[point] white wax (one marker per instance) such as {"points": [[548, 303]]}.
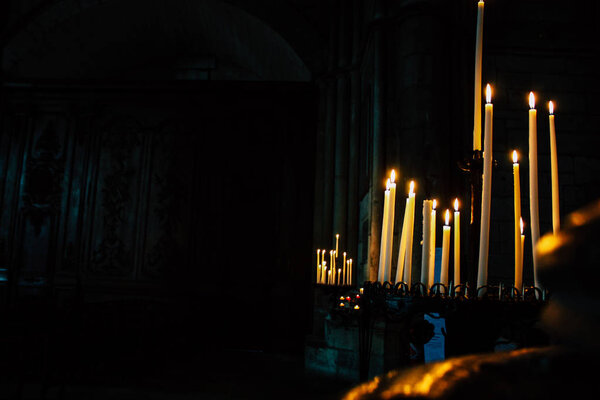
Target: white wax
{"points": [[383, 243], [534, 214], [554, 172], [432, 249], [426, 248], [456, 248], [409, 240], [445, 255], [389, 234], [517, 215], [486, 199], [402, 249], [477, 86]]}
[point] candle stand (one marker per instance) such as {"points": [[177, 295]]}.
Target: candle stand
{"points": [[473, 323]]}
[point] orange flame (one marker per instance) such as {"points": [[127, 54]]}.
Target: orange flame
{"points": [[393, 176], [531, 100], [488, 94], [447, 216], [456, 204], [551, 107], [515, 157]]}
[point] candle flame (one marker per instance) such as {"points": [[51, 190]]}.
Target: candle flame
{"points": [[387, 185], [434, 204], [456, 204], [488, 93], [551, 107], [531, 100], [337, 235], [412, 187], [344, 254], [515, 157], [393, 176], [447, 216], [521, 223]]}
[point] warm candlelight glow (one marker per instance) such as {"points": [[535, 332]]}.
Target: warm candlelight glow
{"points": [[412, 187], [488, 94], [521, 223], [393, 176], [456, 204], [447, 216], [551, 107], [515, 157], [434, 203], [531, 100]]}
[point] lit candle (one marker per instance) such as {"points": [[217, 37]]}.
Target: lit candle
{"points": [[345, 269], [456, 243], [339, 273], [517, 200], [445, 250], [350, 275], [478, 63], [426, 249], [409, 235], [322, 258], [534, 214], [329, 277], [384, 229], [337, 241], [486, 198], [323, 272], [519, 267], [347, 277], [318, 265], [402, 249], [554, 172], [432, 244], [390, 229]]}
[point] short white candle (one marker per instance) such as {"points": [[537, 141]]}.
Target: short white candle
{"points": [[432, 244], [390, 229], [426, 247], [409, 235], [384, 229], [445, 250], [456, 243]]}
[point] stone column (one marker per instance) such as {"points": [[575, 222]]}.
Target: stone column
{"points": [[376, 184], [329, 134], [340, 198], [353, 226]]}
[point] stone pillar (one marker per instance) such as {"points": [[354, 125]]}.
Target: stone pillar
{"points": [[353, 211], [378, 156], [340, 197], [329, 134]]}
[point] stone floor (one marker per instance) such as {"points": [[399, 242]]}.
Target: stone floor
{"points": [[231, 375]]}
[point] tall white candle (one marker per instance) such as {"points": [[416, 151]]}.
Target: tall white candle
{"points": [[337, 242], [517, 214], [384, 228], [554, 172], [323, 272], [456, 243], [402, 249], [350, 275], [426, 248], [478, 63], [445, 250], [486, 197], [432, 244], [534, 214], [390, 229], [409, 235]]}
